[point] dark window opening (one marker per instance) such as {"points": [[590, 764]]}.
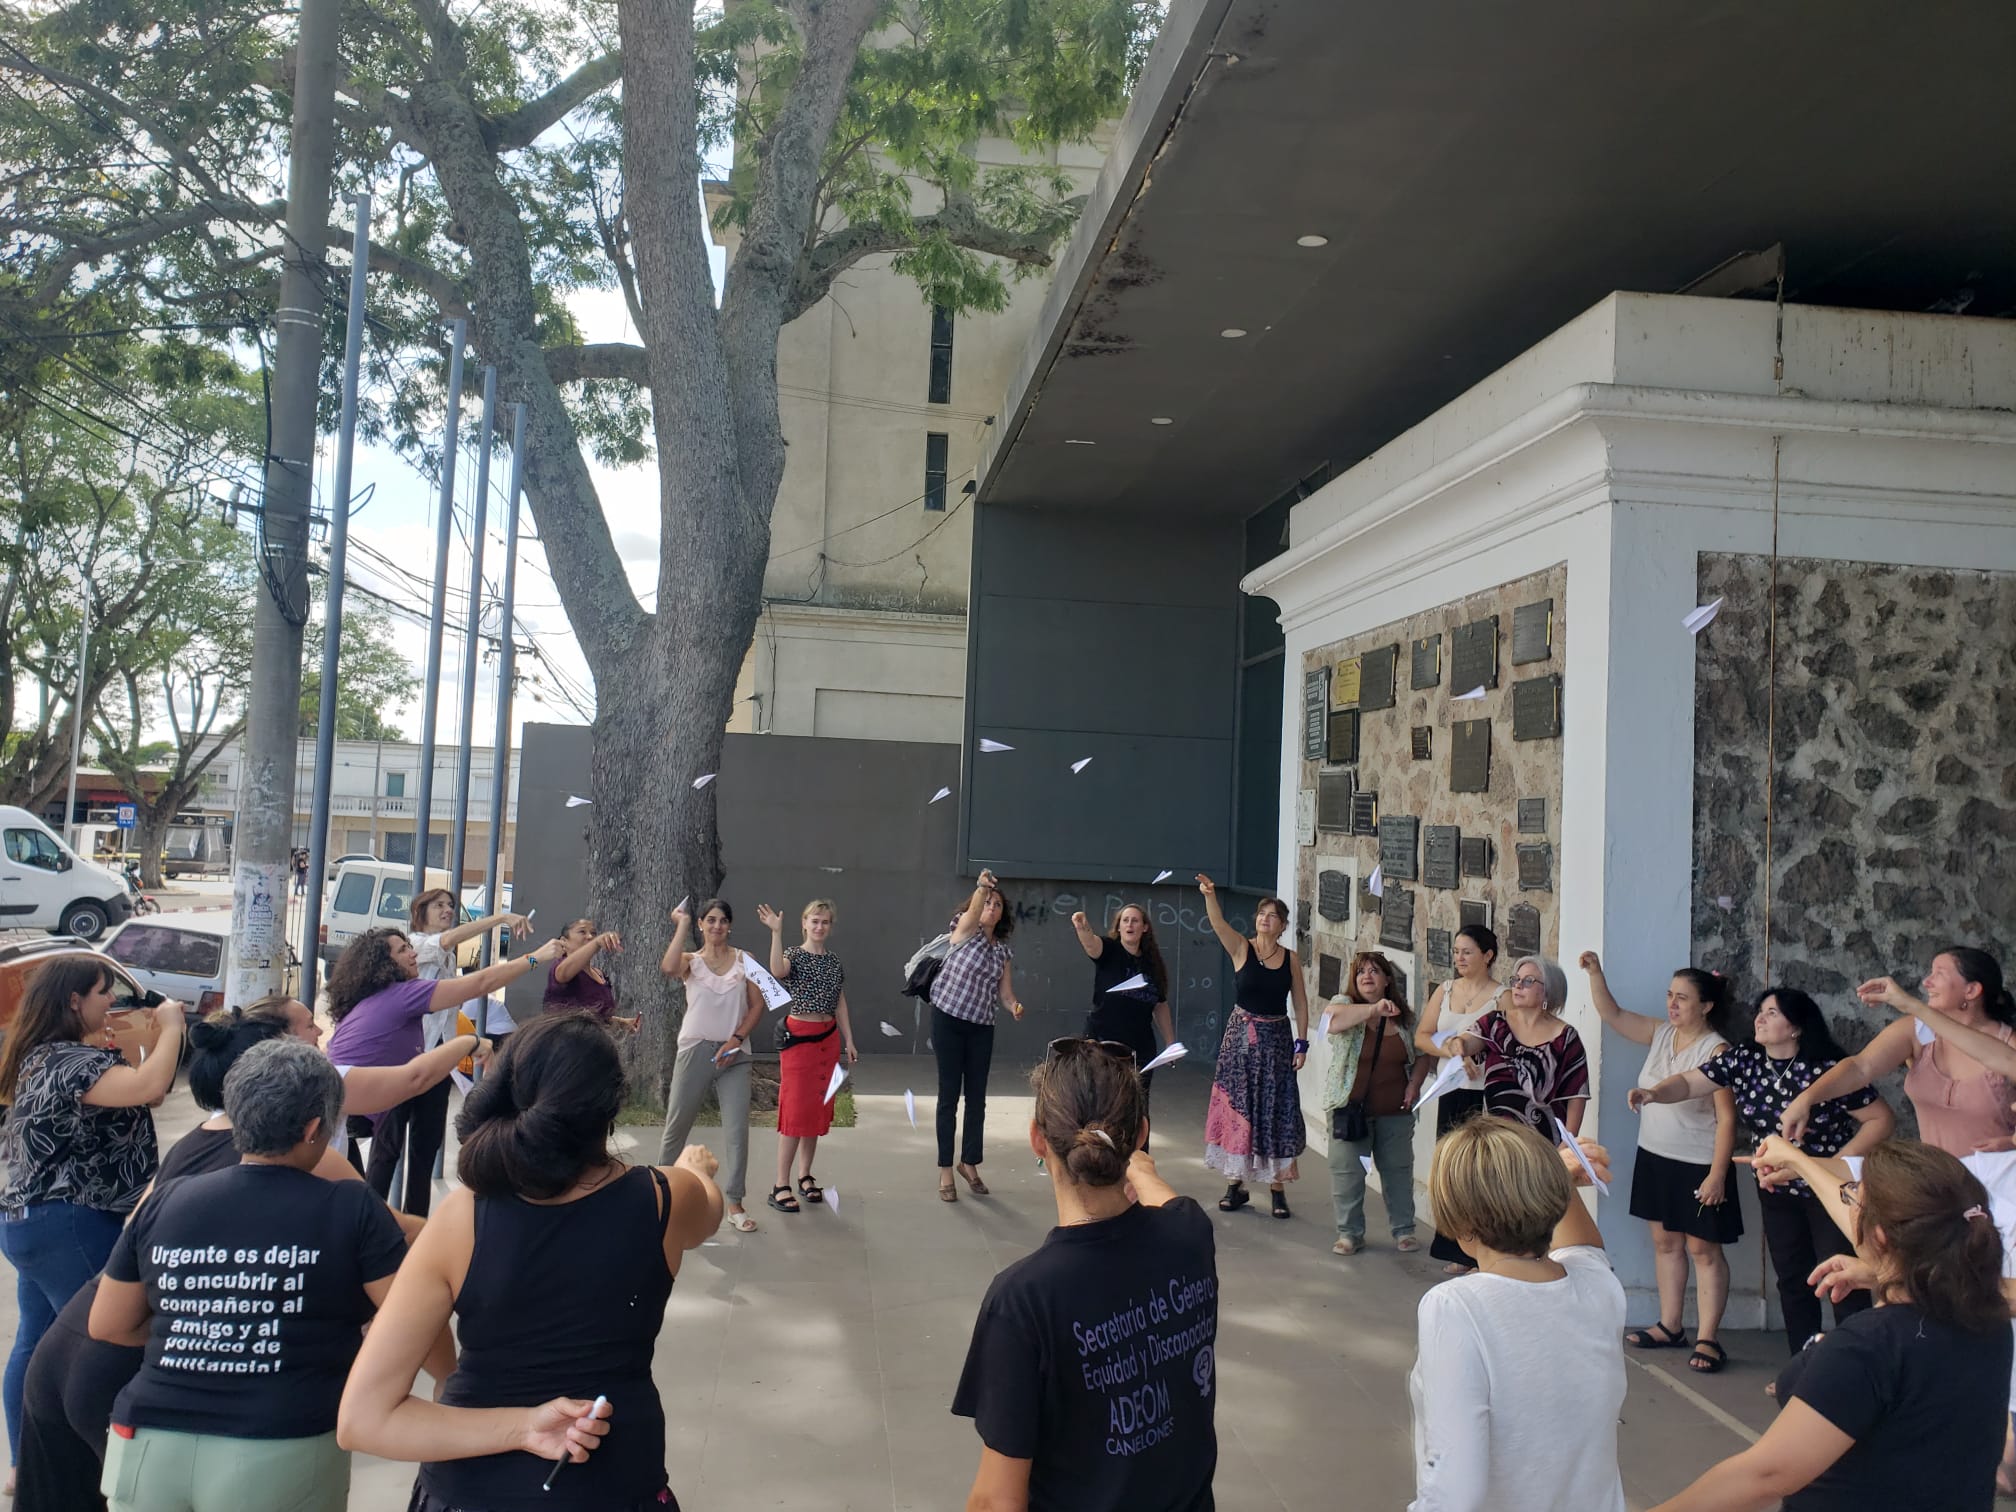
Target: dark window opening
{"points": [[937, 448], [941, 355]]}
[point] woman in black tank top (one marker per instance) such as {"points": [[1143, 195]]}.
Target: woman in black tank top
{"points": [[544, 1333]]}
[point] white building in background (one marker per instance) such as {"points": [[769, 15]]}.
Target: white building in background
{"points": [[885, 404]]}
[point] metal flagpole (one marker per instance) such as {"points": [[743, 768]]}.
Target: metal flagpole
{"points": [[458, 844], [500, 752], [430, 702]]}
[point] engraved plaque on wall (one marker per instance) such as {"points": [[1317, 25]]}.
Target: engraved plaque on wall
{"points": [[1536, 708], [1396, 919], [1424, 742], [1342, 746], [1333, 802], [1426, 663], [1364, 813], [1475, 860], [1532, 632], [1532, 816], [1473, 655], [1522, 930], [1378, 672], [1470, 756], [1400, 847], [1473, 911], [1333, 895], [1536, 867], [1329, 976], [1305, 816], [1315, 709], [1344, 686], [1442, 949], [1439, 844]]}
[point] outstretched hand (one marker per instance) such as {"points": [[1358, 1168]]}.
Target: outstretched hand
{"points": [[769, 918], [1591, 963], [1206, 886], [1884, 992], [1595, 1154]]}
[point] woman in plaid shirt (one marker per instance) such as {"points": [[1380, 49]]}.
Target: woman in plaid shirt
{"points": [[976, 981]]}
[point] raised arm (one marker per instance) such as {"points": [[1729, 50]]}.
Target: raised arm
{"points": [[770, 919], [696, 1202], [1150, 1190], [1233, 941], [1890, 1049], [968, 923], [519, 925], [575, 962], [1576, 1228], [1636, 1027], [136, 1086], [375, 1089], [673, 963], [1088, 942], [451, 992], [1684, 1087], [1985, 1048]]}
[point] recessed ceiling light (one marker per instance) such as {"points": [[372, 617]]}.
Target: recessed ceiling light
{"points": [[1073, 441], [1312, 240], [1232, 333], [1161, 420]]}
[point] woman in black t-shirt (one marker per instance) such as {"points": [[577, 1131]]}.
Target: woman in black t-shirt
{"points": [[1902, 1406], [1130, 985], [1091, 1376]]}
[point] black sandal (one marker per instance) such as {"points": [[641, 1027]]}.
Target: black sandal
{"points": [[1647, 1338], [784, 1204], [810, 1190], [1707, 1364], [1280, 1204], [1236, 1196]]}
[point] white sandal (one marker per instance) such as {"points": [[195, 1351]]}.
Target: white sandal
{"points": [[742, 1223]]}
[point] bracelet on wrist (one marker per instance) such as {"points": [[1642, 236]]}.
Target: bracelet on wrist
{"points": [[1301, 1047]]}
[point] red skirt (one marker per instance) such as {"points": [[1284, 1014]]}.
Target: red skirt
{"points": [[803, 1072]]}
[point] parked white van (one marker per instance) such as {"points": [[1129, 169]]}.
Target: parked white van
{"points": [[46, 885], [373, 894]]}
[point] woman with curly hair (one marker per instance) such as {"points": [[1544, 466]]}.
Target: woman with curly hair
{"points": [[1370, 1041]]}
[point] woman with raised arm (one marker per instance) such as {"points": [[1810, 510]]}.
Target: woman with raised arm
{"points": [[1680, 1185], [556, 1260], [1962, 1103], [1253, 1128], [1789, 1049], [1452, 1010], [1127, 1014], [78, 1143], [575, 983], [816, 1033], [975, 983], [1370, 1070], [723, 1007]]}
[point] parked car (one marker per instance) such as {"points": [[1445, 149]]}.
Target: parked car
{"points": [[373, 894], [128, 1029], [44, 884], [329, 871], [183, 956]]}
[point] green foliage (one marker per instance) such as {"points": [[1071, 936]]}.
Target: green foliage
{"points": [[371, 675]]}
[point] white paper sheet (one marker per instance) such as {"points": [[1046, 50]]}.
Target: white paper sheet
{"points": [[910, 1106], [462, 1083], [1476, 692], [1323, 1024], [1576, 1145], [775, 994], [1698, 620], [833, 1084], [1081, 763], [1451, 1075], [574, 802], [1163, 876], [890, 1031], [1924, 1033], [1175, 1052], [989, 747], [940, 796], [1133, 984], [831, 1197], [702, 781], [1366, 1161], [1376, 883], [1442, 1037], [683, 904]]}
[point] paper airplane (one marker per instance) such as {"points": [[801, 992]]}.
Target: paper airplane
{"points": [[1451, 1076], [939, 796], [1376, 883], [1323, 1024], [1476, 692], [462, 1083], [833, 1084], [836, 870], [1081, 763], [831, 1197], [1576, 1145], [775, 993], [573, 802], [910, 1106], [1133, 984], [1698, 620], [988, 747], [1175, 1052], [681, 905], [1366, 1161], [700, 782], [891, 1030], [1925, 1034], [1442, 1037], [1163, 876]]}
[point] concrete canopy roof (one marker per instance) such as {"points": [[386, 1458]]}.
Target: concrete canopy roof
{"points": [[1483, 173]]}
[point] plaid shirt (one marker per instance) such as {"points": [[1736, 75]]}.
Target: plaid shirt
{"points": [[969, 983]]}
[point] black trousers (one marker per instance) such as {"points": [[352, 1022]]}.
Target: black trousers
{"points": [[965, 1051], [418, 1128], [1800, 1234]]}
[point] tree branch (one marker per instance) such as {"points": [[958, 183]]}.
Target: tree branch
{"points": [[81, 249], [438, 284], [524, 125], [600, 359]]}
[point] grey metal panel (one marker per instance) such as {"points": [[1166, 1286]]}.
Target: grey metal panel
{"points": [[1126, 668]]}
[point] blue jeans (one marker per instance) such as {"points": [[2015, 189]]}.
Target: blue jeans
{"points": [[54, 1247]]}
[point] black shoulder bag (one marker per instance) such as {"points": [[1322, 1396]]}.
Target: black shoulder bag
{"points": [[1349, 1121]]}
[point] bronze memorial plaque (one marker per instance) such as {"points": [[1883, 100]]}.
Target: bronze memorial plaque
{"points": [[1522, 930], [1470, 756], [1315, 713], [1329, 976], [1473, 656], [1442, 949], [1364, 813], [1333, 896], [1400, 847], [1341, 749], [1439, 844], [1536, 867], [1536, 708], [1333, 801], [1396, 919], [1426, 669], [1424, 742], [1476, 856], [1533, 632], [1378, 672], [1473, 911], [1344, 686], [1532, 816]]}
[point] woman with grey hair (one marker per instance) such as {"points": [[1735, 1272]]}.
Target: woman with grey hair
{"points": [[1535, 1069], [249, 1288]]}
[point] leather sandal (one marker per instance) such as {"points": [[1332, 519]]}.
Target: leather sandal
{"points": [[810, 1190], [1650, 1338], [782, 1200]]}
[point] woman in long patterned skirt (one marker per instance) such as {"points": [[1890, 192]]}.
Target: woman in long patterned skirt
{"points": [[1253, 1131]]}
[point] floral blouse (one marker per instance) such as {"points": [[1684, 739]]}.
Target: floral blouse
{"points": [[59, 1149]]}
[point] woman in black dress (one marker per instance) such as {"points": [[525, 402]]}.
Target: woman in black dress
{"points": [[1130, 1016]]}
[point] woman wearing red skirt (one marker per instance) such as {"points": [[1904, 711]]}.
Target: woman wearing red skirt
{"points": [[816, 1030]]}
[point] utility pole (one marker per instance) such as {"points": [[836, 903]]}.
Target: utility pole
{"points": [[459, 843], [266, 829], [430, 687], [500, 751], [77, 712]]}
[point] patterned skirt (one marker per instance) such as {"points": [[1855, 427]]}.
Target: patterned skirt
{"points": [[1253, 1130]]}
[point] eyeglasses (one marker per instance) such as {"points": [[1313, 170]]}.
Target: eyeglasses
{"points": [[1529, 981], [1076, 1044], [1851, 1194]]}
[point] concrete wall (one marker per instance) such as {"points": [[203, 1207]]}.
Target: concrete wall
{"points": [[1115, 638]]}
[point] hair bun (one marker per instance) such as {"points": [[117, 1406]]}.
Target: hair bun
{"points": [[1094, 1135]]}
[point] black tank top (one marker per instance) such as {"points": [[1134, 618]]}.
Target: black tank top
{"points": [[1263, 990], [564, 1300]]}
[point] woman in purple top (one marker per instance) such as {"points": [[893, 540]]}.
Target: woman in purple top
{"points": [[575, 982]]}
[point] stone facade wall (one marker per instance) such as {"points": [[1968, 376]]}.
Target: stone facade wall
{"points": [[1892, 813], [1406, 786]]}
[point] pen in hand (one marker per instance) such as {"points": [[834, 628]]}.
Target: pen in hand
{"points": [[594, 1412]]}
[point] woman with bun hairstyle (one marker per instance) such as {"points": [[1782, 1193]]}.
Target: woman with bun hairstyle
{"points": [[1452, 1010], [556, 1260], [723, 1007], [1680, 1184], [1063, 1332], [817, 1031], [1962, 1103], [1902, 1405]]}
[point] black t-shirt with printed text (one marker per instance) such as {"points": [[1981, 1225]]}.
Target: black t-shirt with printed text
{"points": [[1095, 1359], [256, 1279]]}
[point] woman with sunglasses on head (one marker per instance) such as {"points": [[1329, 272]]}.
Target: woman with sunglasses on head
{"points": [[1790, 1048], [1127, 952], [976, 981], [723, 1007], [1453, 1009], [1253, 1129], [1902, 1406], [1535, 1069], [817, 1032], [1369, 1070], [1091, 1375]]}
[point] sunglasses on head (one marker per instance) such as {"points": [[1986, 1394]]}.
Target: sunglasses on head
{"points": [[1078, 1044]]}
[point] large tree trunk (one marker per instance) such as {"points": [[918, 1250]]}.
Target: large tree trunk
{"points": [[152, 834]]}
